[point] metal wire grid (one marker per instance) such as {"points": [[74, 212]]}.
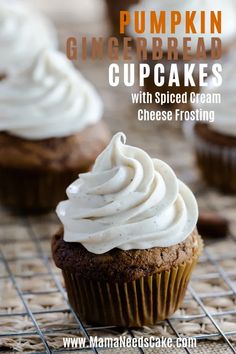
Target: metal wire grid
{"points": [[82, 329]]}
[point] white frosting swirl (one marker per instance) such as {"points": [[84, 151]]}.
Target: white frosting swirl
{"points": [[225, 112], [49, 99], [128, 201], [228, 8], [23, 34]]}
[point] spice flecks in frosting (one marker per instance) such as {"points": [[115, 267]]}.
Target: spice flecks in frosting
{"points": [[128, 201], [49, 99]]}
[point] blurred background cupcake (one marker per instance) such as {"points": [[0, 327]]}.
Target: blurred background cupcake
{"points": [[113, 12], [215, 142], [80, 16], [23, 34], [228, 37], [51, 130]]}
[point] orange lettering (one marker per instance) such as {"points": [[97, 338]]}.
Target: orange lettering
{"points": [[124, 20], [175, 20]]}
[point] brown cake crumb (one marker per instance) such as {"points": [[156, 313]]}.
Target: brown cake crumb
{"points": [[204, 132], [118, 265], [76, 152]]}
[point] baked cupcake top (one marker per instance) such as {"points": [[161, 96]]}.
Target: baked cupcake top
{"points": [[225, 112], [128, 201], [227, 7], [23, 34], [47, 100]]}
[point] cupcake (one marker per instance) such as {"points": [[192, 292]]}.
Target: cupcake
{"points": [[228, 38], [113, 12], [215, 141], [23, 34], [129, 242], [50, 130]]}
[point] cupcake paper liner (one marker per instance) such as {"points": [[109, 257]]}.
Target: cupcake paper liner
{"points": [[144, 301], [216, 163], [33, 190]]}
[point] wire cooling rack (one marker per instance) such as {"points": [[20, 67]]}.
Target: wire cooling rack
{"points": [[35, 313]]}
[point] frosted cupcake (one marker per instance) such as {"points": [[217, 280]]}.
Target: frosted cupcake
{"points": [[113, 12], [51, 129], [129, 242], [215, 143], [228, 36], [23, 34]]}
